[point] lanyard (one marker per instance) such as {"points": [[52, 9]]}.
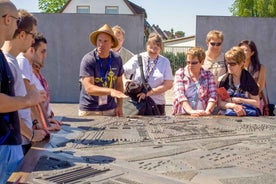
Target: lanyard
{"points": [[102, 71], [150, 67], [194, 105]]}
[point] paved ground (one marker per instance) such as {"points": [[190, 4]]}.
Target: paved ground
{"points": [[71, 109]]}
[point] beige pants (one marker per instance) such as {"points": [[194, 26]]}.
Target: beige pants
{"points": [[97, 113]]}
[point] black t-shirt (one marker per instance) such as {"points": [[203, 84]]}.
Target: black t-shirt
{"points": [[247, 83], [9, 122]]}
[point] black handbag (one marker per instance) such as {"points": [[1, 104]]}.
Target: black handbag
{"points": [[146, 106], [133, 89]]}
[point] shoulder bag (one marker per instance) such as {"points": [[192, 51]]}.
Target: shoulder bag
{"points": [[146, 106]]}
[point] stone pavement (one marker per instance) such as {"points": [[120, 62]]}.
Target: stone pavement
{"points": [[71, 109]]}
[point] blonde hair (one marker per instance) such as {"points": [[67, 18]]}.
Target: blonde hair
{"points": [[155, 38], [235, 54], [118, 29], [198, 52], [214, 34]]}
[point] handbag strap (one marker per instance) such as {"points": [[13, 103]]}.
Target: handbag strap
{"points": [[140, 62], [128, 83]]}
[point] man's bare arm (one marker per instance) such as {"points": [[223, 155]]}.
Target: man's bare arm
{"points": [[14, 103]]}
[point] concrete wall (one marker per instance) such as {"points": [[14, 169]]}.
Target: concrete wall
{"points": [[260, 30], [67, 36], [68, 42]]}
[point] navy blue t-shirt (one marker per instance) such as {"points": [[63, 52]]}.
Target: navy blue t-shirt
{"points": [[9, 122], [90, 66]]}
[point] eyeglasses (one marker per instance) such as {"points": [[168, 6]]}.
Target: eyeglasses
{"points": [[192, 62], [30, 33], [232, 63], [18, 19], [215, 43]]}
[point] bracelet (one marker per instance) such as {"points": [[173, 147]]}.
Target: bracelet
{"points": [[35, 122], [32, 136]]}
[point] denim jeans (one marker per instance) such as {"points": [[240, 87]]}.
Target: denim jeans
{"points": [[11, 156]]}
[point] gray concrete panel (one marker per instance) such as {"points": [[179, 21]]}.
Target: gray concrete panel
{"points": [[260, 30], [68, 42]]}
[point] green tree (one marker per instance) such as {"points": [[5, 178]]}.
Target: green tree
{"points": [[254, 8], [51, 6], [177, 60], [179, 34], [172, 34]]}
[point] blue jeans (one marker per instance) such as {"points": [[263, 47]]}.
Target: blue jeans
{"points": [[11, 156]]}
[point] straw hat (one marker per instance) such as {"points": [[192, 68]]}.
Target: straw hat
{"points": [[104, 29]]}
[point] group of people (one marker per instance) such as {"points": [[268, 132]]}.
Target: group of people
{"points": [[216, 83], [211, 82], [105, 71], [198, 86], [25, 113]]}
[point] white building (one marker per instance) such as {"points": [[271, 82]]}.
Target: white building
{"points": [[102, 7], [179, 44]]}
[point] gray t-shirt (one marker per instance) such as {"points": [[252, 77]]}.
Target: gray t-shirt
{"points": [[217, 66]]}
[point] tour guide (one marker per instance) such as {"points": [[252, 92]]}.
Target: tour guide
{"points": [[101, 73]]}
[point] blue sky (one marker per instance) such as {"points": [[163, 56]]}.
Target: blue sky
{"points": [[177, 14]]}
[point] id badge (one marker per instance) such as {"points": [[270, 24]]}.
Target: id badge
{"points": [[102, 100]]}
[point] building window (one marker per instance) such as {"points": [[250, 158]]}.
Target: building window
{"points": [[111, 10], [83, 9]]}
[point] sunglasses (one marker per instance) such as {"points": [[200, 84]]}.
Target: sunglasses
{"points": [[232, 63], [30, 33], [192, 62], [18, 20], [215, 43]]}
